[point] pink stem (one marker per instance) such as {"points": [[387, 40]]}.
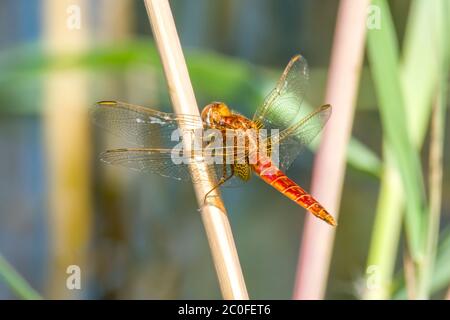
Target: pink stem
{"points": [[329, 166]]}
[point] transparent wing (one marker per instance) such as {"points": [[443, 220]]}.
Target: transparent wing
{"points": [[141, 126], [148, 128], [291, 141], [282, 106], [154, 131], [161, 162]]}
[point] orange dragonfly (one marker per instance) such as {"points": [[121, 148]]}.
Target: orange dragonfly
{"points": [[152, 132]]}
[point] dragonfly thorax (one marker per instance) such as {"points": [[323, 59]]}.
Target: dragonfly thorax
{"points": [[217, 115]]}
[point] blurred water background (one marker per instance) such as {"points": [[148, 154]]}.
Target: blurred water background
{"points": [[141, 235]]}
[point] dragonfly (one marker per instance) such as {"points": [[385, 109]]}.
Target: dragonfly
{"points": [[152, 134]]}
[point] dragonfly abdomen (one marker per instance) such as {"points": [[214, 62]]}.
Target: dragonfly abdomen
{"points": [[277, 179]]}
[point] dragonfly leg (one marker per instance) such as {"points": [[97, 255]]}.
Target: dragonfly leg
{"points": [[222, 180]]}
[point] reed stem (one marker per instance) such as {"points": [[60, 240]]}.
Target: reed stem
{"points": [[329, 166], [67, 148], [436, 153], [214, 216]]}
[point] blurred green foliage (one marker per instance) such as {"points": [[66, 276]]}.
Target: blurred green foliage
{"points": [[406, 90], [15, 281]]}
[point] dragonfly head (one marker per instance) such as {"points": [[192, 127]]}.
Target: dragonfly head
{"points": [[214, 112]]}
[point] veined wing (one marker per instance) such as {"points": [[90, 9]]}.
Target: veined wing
{"points": [[141, 126], [292, 140], [163, 163], [154, 132], [282, 107]]}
